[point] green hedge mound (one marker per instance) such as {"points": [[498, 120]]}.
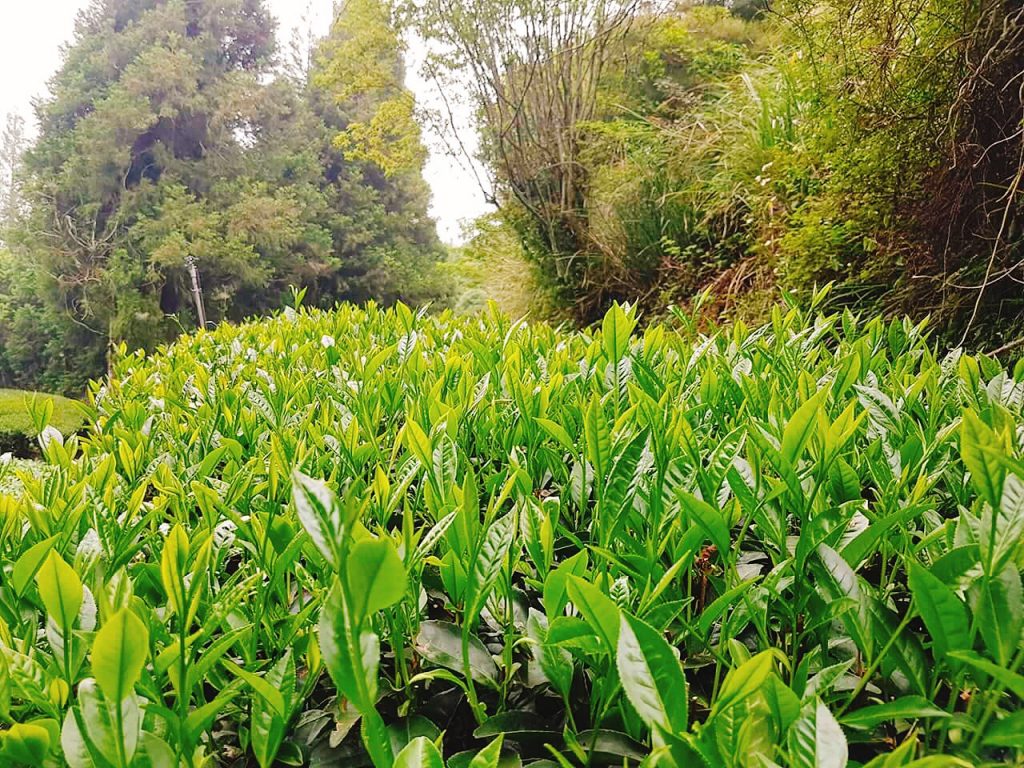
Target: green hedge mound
{"points": [[18, 432]]}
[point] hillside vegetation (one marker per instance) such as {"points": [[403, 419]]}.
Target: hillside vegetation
{"points": [[369, 536], [646, 151]]}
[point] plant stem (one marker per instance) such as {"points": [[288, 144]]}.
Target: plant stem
{"points": [[866, 677]]}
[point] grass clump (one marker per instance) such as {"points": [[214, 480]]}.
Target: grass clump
{"points": [[380, 537]]}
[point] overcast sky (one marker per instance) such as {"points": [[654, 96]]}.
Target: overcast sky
{"points": [[33, 31]]}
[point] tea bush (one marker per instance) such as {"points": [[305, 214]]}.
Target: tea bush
{"points": [[19, 426], [378, 537]]}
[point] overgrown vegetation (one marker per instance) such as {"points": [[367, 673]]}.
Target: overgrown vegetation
{"points": [[491, 267], [645, 151], [379, 536]]}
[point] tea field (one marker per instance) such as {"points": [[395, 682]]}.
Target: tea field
{"points": [[374, 537]]}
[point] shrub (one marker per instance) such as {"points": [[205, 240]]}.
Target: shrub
{"points": [[798, 544], [20, 415]]}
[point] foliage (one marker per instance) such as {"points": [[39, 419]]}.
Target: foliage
{"points": [[798, 544], [491, 267], [363, 69], [12, 145], [874, 144], [171, 134], [532, 73]]}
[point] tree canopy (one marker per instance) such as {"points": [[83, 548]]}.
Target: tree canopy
{"points": [[172, 134]]}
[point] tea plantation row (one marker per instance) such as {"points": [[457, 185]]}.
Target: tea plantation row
{"points": [[378, 537]]}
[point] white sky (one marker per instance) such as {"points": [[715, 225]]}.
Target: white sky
{"points": [[33, 31]]}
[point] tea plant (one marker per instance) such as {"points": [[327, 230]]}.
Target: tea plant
{"points": [[372, 537]]}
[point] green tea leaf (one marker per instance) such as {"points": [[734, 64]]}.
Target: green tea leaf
{"points": [[440, 642], [558, 432], [555, 596], [319, 513], [1010, 680], [597, 608], [418, 443], [743, 681], [651, 676], [943, 613], [1000, 613], [816, 740], [801, 427], [352, 657], [61, 590], [111, 728], [25, 743], [420, 753], [28, 565], [263, 689], [173, 565], [376, 577], [1008, 732], [490, 556], [489, 756], [903, 708], [615, 332], [119, 653], [708, 518], [597, 438], [979, 450]]}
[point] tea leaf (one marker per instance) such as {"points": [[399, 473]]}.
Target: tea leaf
{"points": [[942, 611], [376, 577], [420, 753], [25, 743], [119, 653], [319, 514], [903, 708], [651, 676], [61, 590], [816, 740], [600, 612], [440, 643]]}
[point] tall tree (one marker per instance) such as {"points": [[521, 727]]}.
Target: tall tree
{"points": [[147, 157], [12, 147], [172, 136], [383, 229]]}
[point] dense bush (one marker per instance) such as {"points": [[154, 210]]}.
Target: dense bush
{"points": [[875, 144], [23, 415], [792, 545]]}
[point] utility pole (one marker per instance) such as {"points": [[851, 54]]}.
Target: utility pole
{"points": [[197, 289]]}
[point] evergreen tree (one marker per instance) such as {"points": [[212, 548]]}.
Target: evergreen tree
{"points": [[12, 146], [375, 157], [171, 136]]}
